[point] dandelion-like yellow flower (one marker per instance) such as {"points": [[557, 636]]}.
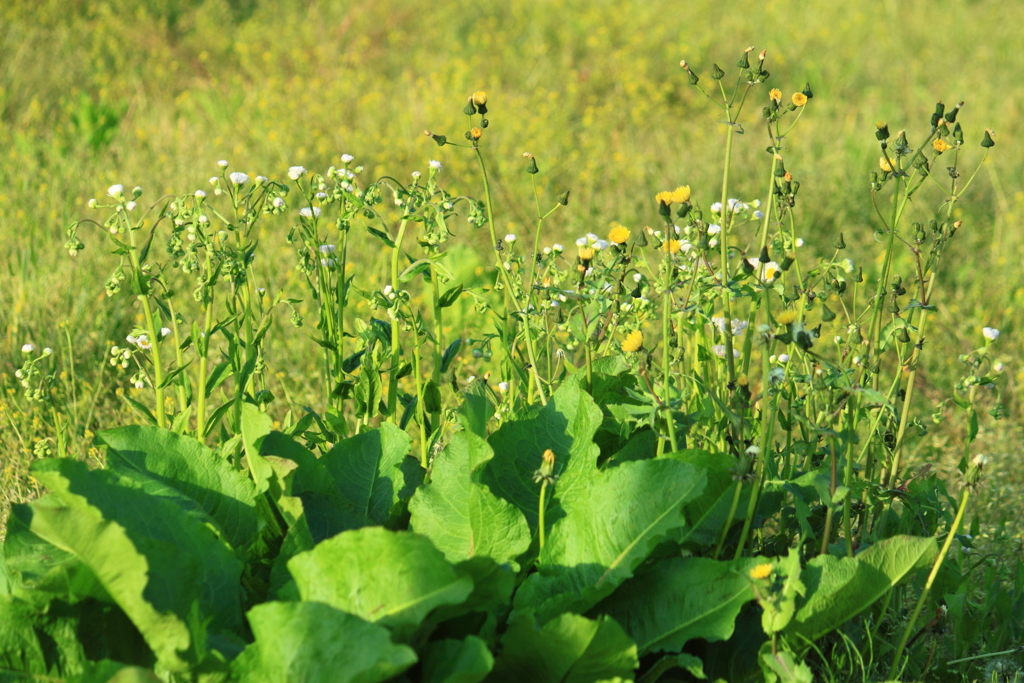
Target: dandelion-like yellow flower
{"points": [[786, 317], [884, 164], [633, 342], [476, 133], [940, 145], [681, 194], [664, 197], [799, 99], [775, 95], [586, 254], [673, 246], [761, 571], [479, 97], [618, 234]]}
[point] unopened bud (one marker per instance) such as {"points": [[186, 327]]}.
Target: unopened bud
{"points": [[840, 243], [717, 73], [987, 141], [883, 131]]}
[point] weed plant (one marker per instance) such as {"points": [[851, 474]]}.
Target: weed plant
{"points": [[682, 448]]}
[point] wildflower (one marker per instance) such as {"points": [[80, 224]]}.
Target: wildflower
{"points": [[633, 342], [714, 229], [586, 254], [673, 246], [799, 242], [476, 133], [759, 215], [239, 178], [296, 172], [719, 350], [786, 317], [278, 203], [761, 571], [998, 367], [884, 164], [142, 341], [47, 351], [637, 277], [434, 164], [139, 384], [664, 198], [347, 158], [783, 357], [115, 191], [980, 460], [502, 386], [327, 248], [618, 234], [130, 206], [799, 99], [327, 262], [680, 194], [990, 333], [164, 331], [775, 95], [309, 212], [260, 179], [214, 180], [940, 145], [222, 163], [28, 348], [510, 238], [716, 207], [92, 204], [558, 247], [200, 194], [479, 98], [771, 271]]}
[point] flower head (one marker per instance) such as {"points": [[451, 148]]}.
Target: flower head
{"points": [[476, 133], [434, 164], [327, 248], [761, 571], [510, 238], [28, 348], [239, 178], [633, 342], [115, 191], [940, 145], [799, 99], [672, 246], [664, 197], [222, 163], [680, 194], [775, 95], [618, 234], [309, 212], [884, 164], [296, 172], [347, 158], [479, 98], [990, 333]]}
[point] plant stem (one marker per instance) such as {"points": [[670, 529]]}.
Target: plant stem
{"points": [[540, 512]]}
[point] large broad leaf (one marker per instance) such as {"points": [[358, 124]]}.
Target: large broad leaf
{"points": [[163, 567], [838, 590], [682, 599], [315, 643], [457, 661], [185, 464], [36, 644], [462, 517], [569, 649], [610, 528], [388, 577], [708, 512], [566, 425], [368, 472]]}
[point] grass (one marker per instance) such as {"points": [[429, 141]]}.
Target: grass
{"points": [[153, 93]]}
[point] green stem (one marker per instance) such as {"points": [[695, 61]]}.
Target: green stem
{"points": [[540, 512], [396, 349]]}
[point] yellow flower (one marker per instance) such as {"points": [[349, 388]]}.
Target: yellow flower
{"points": [[681, 194], [786, 317], [586, 254], [673, 246], [799, 99], [633, 342], [618, 234], [775, 95], [761, 571], [884, 164], [479, 97], [664, 197], [477, 133], [940, 145]]}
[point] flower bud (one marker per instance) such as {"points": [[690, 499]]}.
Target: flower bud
{"points": [[717, 73], [469, 109], [840, 243], [808, 93], [951, 114], [693, 77], [987, 141], [764, 257], [563, 198], [532, 168], [958, 134], [883, 131]]}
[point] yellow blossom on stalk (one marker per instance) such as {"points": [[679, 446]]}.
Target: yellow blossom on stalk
{"points": [[761, 571], [799, 99], [479, 97], [618, 234], [884, 164], [786, 317], [681, 194], [586, 254], [940, 145], [775, 95], [673, 246], [664, 197], [633, 342], [476, 133]]}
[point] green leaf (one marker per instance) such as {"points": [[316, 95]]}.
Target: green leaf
{"points": [[34, 643], [382, 236], [159, 563], [781, 667], [315, 643], [462, 517], [611, 527], [394, 578], [568, 649], [367, 470], [838, 590], [566, 425], [457, 661], [681, 599], [450, 296], [255, 426], [708, 512], [188, 466], [476, 409]]}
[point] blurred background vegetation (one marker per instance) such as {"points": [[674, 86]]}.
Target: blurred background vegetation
{"points": [[154, 92]]}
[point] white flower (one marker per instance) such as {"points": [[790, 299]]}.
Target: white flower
{"points": [[719, 350], [92, 204], [327, 262], [739, 327], [713, 242], [347, 158], [139, 384], [239, 178], [510, 238], [164, 331], [502, 386], [547, 251], [799, 241], [296, 172], [387, 290], [200, 194], [998, 367], [115, 191], [716, 207], [558, 247], [581, 242], [714, 229], [260, 179], [990, 333], [637, 277], [327, 248], [848, 265], [435, 165], [980, 460], [47, 351], [214, 180], [28, 348], [321, 195], [222, 163], [130, 206], [308, 212], [771, 271], [142, 341], [783, 357], [754, 450], [278, 202], [203, 219], [759, 215], [416, 175]]}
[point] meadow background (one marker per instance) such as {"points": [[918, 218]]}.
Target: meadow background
{"points": [[153, 93]]}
